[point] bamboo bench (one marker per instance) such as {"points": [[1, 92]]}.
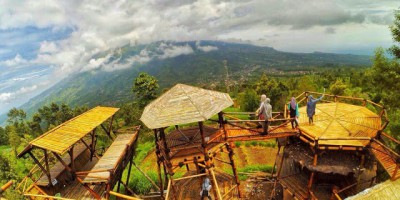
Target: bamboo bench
{"points": [[59, 168], [101, 172]]}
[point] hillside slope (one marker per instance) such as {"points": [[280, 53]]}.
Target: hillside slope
{"points": [[201, 65]]}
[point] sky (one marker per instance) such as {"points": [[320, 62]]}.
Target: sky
{"points": [[44, 41]]}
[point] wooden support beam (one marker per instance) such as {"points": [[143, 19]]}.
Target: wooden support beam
{"points": [[46, 160], [214, 179], [158, 165], [277, 175], [145, 175], [310, 182], [273, 168], [108, 133], [71, 153], [123, 196], [38, 163], [63, 163], [235, 174], [91, 191], [129, 172]]}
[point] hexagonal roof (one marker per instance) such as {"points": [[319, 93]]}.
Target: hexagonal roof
{"points": [[339, 123]]}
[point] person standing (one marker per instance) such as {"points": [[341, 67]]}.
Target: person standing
{"points": [[205, 189], [293, 108], [311, 105]]}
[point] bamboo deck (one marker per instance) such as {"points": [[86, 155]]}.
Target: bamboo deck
{"points": [[385, 159], [58, 168], [340, 124], [110, 159], [238, 134], [296, 185], [61, 138]]}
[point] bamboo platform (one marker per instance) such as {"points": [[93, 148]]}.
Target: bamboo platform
{"points": [[296, 185], [58, 168], [240, 134], [110, 160], [386, 159], [340, 124]]}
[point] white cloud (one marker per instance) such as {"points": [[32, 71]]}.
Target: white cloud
{"points": [[170, 51], [206, 48], [48, 47], [18, 60], [8, 96]]}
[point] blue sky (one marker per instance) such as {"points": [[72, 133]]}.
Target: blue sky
{"points": [[44, 41]]}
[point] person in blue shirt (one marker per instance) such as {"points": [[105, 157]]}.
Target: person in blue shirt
{"points": [[311, 104], [293, 108]]}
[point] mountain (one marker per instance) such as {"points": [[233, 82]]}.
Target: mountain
{"points": [[178, 62]]}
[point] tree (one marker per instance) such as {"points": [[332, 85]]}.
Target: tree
{"points": [[338, 87], [13, 138], [3, 136], [249, 100], [395, 29], [385, 75], [145, 88], [15, 116]]}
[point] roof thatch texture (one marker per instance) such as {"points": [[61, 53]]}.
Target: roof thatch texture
{"points": [[387, 190], [61, 138], [340, 120], [184, 104]]}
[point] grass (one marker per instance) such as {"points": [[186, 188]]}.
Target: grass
{"points": [[269, 143]]}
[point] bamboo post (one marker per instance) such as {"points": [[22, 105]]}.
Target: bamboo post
{"points": [[46, 160], [211, 171], [310, 182], [231, 153], [158, 165], [273, 168], [129, 173], [93, 148], [5, 187], [359, 170], [277, 175], [38, 163]]}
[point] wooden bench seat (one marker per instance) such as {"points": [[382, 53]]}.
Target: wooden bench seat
{"points": [[58, 168], [110, 160]]}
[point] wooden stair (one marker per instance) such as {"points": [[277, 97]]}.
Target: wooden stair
{"points": [[386, 158]]}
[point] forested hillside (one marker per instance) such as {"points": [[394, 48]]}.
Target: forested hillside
{"points": [[206, 68]]}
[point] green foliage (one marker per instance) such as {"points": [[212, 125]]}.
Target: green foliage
{"points": [[3, 136], [145, 88], [338, 88], [254, 168], [249, 100], [385, 75], [395, 29]]}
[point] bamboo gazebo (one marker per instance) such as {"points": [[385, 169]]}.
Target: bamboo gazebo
{"points": [[70, 166], [195, 147], [334, 157]]}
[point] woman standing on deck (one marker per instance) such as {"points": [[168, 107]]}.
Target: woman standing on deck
{"points": [[293, 108], [311, 104]]}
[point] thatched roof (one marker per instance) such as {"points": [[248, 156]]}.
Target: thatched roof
{"points": [[340, 120], [61, 138], [184, 104], [387, 190]]}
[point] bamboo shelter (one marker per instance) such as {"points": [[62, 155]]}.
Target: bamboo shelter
{"points": [[71, 163], [334, 156], [195, 146]]}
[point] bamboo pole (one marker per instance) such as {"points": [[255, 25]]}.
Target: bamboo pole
{"points": [[46, 196], [123, 196], [277, 175], [215, 184], [145, 175], [192, 176], [310, 182], [6, 186]]}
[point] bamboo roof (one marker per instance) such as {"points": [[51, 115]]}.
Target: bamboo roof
{"points": [[387, 190], [61, 138], [339, 123], [184, 104]]}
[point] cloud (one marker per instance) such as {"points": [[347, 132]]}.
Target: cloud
{"points": [[206, 48], [330, 30], [14, 62], [170, 51], [8, 96]]}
